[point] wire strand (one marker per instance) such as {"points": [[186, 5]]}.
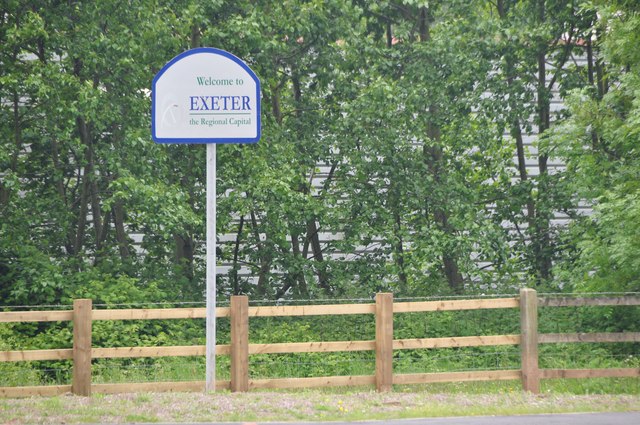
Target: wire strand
{"points": [[321, 301]]}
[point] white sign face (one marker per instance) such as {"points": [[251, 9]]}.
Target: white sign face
{"points": [[205, 95]]}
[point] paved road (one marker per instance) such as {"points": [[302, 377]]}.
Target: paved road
{"points": [[632, 418]]}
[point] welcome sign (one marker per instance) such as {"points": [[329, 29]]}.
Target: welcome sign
{"points": [[205, 95]]}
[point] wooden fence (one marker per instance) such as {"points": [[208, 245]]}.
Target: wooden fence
{"points": [[384, 309]]}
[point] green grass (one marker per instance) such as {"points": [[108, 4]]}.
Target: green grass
{"points": [[592, 386], [142, 399], [409, 361], [611, 386], [299, 365]]}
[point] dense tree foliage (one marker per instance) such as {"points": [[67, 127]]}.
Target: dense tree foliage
{"points": [[407, 146], [600, 144]]}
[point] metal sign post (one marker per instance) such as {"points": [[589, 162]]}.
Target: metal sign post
{"points": [[206, 95], [210, 381]]}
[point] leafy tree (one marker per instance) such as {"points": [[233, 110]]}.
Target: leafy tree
{"points": [[537, 43], [420, 164], [74, 95], [383, 164], [279, 208], [599, 143]]}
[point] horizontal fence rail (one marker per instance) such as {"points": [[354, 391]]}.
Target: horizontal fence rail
{"points": [[454, 305], [82, 316]]}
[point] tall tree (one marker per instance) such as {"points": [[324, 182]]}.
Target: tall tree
{"points": [[79, 118], [538, 42], [277, 201], [422, 162], [599, 143]]}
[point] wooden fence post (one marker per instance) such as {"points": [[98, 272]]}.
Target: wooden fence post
{"points": [[384, 341], [239, 343], [529, 340], [81, 381]]}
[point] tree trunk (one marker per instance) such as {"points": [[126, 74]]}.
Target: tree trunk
{"points": [[399, 253], [121, 233], [298, 276], [265, 259], [516, 133], [185, 247], [394, 205], [89, 189], [82, 214], [295, 280], [312, 227], [541, 239], [62, 193], [538, 231], [433, 158]]}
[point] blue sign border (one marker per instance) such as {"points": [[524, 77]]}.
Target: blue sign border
{"points": [[201, 50]]}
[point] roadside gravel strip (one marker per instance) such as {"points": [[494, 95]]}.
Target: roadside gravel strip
{"points": [[628, 418], [314, 406]]}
